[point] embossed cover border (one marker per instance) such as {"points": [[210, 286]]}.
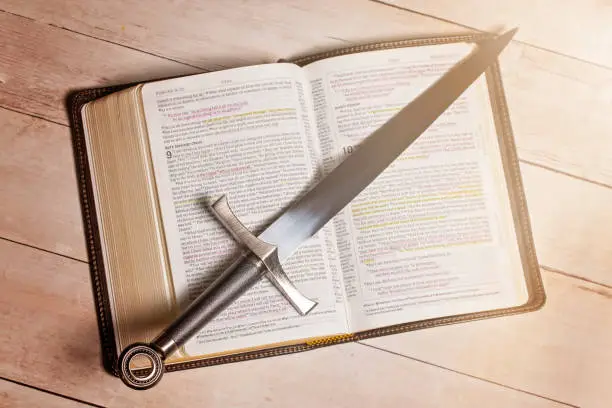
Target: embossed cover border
{"points": [[531, 268]]}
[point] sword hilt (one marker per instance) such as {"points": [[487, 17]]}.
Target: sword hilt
{"points": [[258, 260], [265, 252], [245, 272]]}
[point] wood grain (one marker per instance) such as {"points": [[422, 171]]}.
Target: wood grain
{"points": [[51, 340], [40, 201], [40, 64], [561, 352], [571, 223], [204, 34], [18, 396], [560, 111], [579, 28]]}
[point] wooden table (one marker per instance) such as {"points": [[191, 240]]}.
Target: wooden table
{"points": [[558, 76]]}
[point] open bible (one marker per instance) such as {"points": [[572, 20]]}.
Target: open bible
{"points": [[441, 236]]}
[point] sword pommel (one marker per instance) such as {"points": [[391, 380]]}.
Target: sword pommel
{"points": [[265, 252]]}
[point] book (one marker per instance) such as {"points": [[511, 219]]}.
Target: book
{"points": [[441, 236]]}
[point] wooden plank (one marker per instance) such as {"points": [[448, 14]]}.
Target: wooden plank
{"points": [[561, 352], [579, 28], [40, 201], [560, 111], [571, 223], [212, 35], [18, 396], [51, 340], [552, 98], [40, 64]]}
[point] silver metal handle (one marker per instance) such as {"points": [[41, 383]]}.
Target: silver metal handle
{"points": [[235, 280]]}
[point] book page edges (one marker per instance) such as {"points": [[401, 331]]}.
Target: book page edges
{"points": [[132, 243]]}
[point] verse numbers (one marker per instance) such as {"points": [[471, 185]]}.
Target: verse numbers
{"points": [[346, 150]]}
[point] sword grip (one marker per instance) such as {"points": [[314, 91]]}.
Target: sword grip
{"points": [[231, 284]]}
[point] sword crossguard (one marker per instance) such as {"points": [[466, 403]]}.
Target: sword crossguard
{"points": [[266, 253]]}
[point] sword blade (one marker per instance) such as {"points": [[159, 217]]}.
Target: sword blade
{"points": [[319, 205]]}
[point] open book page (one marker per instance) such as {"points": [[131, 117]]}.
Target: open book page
{"points": [[433, 235], [247, 133]]}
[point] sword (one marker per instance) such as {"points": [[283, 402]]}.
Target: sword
{"points": [[262, 256]]}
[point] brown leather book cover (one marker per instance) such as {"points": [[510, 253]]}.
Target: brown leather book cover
{"points": [[515, 189]]}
